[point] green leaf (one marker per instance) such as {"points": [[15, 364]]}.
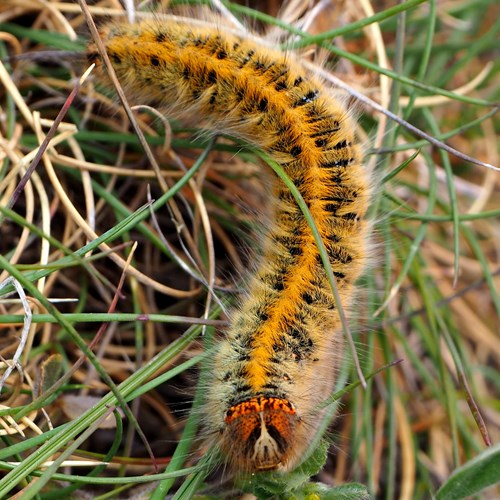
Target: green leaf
{"points": [[319, 491], [475, 475], [267, 485], [349, 491]]}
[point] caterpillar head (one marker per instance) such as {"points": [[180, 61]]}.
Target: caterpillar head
{"points": [[259, 434]]}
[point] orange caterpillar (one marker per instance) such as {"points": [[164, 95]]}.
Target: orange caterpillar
{"points": [[279, 358]]}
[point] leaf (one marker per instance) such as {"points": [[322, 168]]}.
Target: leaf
{"points": [[319, 491], [50, 371], [74, 405], [295, 485], [472, 477], [266, 485]]}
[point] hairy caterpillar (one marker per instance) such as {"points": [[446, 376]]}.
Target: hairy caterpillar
{"points": [[280, 355]]}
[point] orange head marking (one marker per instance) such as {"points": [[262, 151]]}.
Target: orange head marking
{"points": [[259, 433]]}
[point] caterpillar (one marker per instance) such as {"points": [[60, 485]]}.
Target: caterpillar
{"points": [[280, 355]]}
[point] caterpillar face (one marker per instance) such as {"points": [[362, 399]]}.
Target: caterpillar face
{"points": [[259, 433]]}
